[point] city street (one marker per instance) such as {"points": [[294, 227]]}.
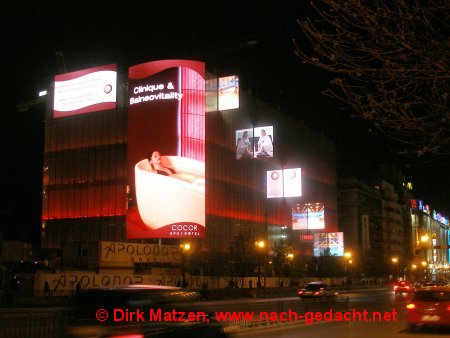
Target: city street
{"points": [[381, 301], [52, 321]]}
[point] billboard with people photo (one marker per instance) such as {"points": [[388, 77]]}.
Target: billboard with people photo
{"points": [[264, 142], [166, 150]]}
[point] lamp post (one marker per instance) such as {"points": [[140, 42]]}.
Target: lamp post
{"points": [[261, 245], [424, 265], [424, 247], [290, 258], [185, 249], [414, 271], [395, 263], [348, 261]]}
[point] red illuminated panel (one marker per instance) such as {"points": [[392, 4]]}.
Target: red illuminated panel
{"points": [[166, 115], [84, 202], [307, 238], [85, 91], [193, 115]]}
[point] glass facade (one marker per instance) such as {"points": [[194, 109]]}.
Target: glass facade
{"points": [[85, 184]]}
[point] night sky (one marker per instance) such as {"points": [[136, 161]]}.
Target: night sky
{"points": [[249, 38]]}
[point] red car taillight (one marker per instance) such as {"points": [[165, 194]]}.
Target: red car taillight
{"points": [[300, 292], [317, 293]]}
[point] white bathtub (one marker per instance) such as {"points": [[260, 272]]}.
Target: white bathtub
{"points": [[164, 200]]}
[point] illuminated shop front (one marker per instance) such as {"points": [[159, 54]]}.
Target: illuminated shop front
{"points": [[430, 240]]}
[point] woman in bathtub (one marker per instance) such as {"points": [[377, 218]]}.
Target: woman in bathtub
{"points": [[155, 165]]}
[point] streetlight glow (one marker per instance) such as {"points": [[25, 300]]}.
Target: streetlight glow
{"points": [[186, 246], [260, 244]]}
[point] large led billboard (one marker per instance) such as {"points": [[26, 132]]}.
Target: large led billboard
{"points": [[166, 150], [85, 91], [254, 142], [332, 242], [284, 183], [228, 88], [308, 216]]}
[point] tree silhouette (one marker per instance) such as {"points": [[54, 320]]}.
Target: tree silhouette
{"points": [[390, 60], [243, 255]]}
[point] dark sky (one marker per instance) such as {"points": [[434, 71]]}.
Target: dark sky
{"points": [[250, 38]]}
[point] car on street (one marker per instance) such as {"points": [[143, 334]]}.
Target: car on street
{"points": [[140, 311], [403, 287], [430, 306], [318, 290]]}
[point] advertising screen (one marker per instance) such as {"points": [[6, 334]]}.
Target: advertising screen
{"points": [[332, 242], [292, 181], [263, 145], [275, 184], [228, 92], [284, 183], [308, 216], [85, 91], [166, 150], [244, 143]]}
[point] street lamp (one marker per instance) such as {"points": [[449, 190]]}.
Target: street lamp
{"points": [[348, 261], [424, 238], [185, 249], [261, 245], [424, 246], [185, 246], [395, 262]]}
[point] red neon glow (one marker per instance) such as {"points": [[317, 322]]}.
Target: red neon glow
{"points": [[193, 115]]}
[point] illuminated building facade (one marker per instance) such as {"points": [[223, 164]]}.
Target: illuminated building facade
{"points": [[389, 235], [430, 241], [86, 177]]}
